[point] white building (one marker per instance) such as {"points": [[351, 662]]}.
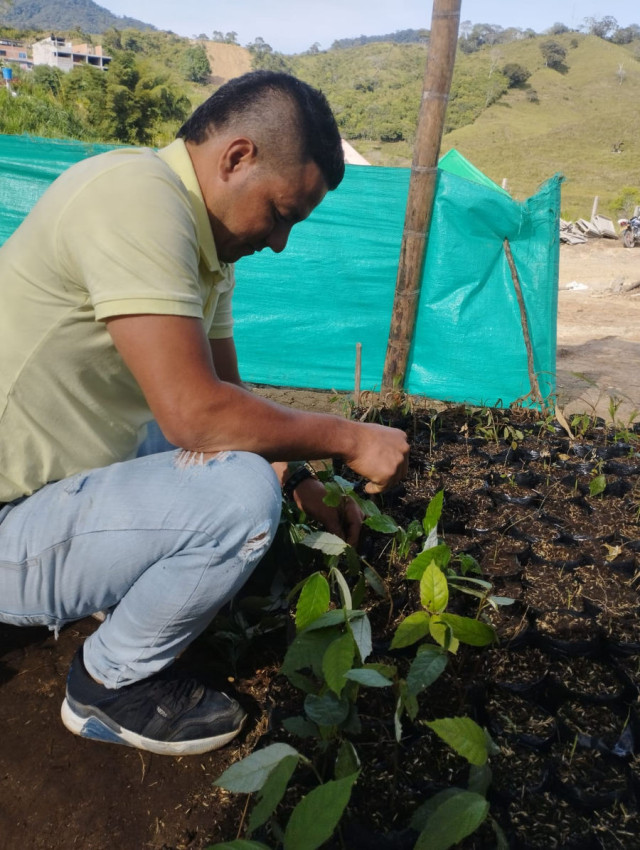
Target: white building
{"points": [[63, 54]]}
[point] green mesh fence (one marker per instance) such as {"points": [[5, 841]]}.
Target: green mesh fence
{"points": [[300, 314]]}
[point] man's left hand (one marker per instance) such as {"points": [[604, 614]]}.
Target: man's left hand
{"points": [[345, 521]]}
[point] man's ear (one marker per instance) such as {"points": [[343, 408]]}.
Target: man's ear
{"points": [[239, 153]]}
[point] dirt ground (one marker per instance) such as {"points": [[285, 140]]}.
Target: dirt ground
{"points": [[59, 792], [599, 328]]}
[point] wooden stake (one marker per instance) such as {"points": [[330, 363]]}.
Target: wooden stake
{"points": [[441, 56], [533, 378], [356, 387]]}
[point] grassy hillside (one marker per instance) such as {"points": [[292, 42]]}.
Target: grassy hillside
{"points": [[584, 123], [582, 120]]}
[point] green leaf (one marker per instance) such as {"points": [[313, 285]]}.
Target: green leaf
{"points": [[359, 592], [381, 523], [329, 544], [467, 630], [326, 710], [337, 661], [368, 677], [368, 507], [441, 555], [314, 819], [301, 727], [272, 792], [313, 601], [307, 650], [334, 618], [361, 631], [442, 634], [434, 591], [433, 512], [252, 772], [464, 735], [457, 817], [347, 761], [345, 486], [412, 629], [425, 668], [597, 485], [334, 494], [345, 593], [408, 700], [422, 814], [480, 776], [468, 564], [239, 844], [482, 582], [496, 601], [374, 581]]}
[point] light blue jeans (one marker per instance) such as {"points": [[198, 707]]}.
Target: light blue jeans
{"points": [[163, 541]]}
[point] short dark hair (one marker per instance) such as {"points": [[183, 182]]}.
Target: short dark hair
{"points": [[315, 127]]}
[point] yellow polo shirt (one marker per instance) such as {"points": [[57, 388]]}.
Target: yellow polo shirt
{"points": [[121, 233]]}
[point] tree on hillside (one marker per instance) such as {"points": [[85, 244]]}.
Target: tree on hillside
{"points": [[553, 54], [558, 29], [47, 79], [265, 58], [625, 35], [602, 27], [516, 74], [194, 64]]}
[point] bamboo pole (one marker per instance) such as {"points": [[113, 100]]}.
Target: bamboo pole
{"points": [[358, 373], [445, 19]]}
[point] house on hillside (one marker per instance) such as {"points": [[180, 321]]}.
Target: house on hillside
{"points": [[15, 52], [63, 54]]}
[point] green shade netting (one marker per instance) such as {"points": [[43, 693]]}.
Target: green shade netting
{"points": [[300, 314]]}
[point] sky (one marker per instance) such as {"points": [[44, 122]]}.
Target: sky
{"points": [[292, 26]]}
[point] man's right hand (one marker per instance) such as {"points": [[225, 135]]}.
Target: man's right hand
{"points": [[381, 454]]}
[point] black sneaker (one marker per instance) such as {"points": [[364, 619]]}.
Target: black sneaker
{"points": [[166, 713]]}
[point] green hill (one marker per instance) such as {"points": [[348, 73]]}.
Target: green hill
{"points": [[509, 113], [582, 120], [84, 15]]}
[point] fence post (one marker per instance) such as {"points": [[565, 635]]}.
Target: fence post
{"points": [[441, 54]]}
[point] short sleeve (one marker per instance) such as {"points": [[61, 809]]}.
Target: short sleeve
{"points": [[222, 325], [139, 240]]}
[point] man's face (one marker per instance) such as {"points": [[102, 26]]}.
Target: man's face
{"points": [[258, 207]]}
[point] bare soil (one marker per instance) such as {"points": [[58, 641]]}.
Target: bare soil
{"points": [[559, 693], [226, 61], [599, 328]]}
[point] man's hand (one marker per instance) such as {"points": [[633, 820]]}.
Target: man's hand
{"points": [[345, 521], [381, 454]]}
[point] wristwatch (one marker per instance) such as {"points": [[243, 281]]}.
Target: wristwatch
{"points": [[301, 472]]}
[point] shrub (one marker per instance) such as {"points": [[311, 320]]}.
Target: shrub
{"points": [[553, 54], [516, 74]]}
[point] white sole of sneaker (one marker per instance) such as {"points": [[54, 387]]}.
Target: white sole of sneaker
{"points": [[95, 729]]}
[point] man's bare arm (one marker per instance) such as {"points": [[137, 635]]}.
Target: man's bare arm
{"points": [[171, 359]]}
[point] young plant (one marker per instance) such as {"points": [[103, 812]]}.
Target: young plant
{"points": [[314, 819]]}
